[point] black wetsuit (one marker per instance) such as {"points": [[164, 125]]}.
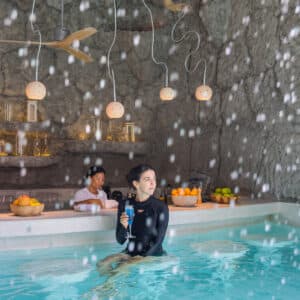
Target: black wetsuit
{"points": [[149, 227]]}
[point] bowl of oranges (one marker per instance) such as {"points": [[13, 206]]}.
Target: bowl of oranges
{"points": [[185, 196], [26, 206]]}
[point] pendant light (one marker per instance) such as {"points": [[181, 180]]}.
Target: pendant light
{"points": [[203, 92], [166, 93], [114, 109], [35, 90]]}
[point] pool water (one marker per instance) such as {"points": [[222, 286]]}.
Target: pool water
{"points": [[258, 261]]}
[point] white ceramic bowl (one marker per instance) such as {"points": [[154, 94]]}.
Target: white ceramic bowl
{"points": [[184, 200], [27, 211]]}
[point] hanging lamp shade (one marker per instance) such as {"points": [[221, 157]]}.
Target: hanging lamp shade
{"points": [[203, 93], [115, 110], [35, 90], [167, 94]]}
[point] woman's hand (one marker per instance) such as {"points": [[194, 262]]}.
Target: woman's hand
{"points": [[124, 220]]}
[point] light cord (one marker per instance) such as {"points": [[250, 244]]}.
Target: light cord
{"points": [[109, 69], [152, 47], [40, 40], [114, 83], [178, 40], [62, 13]]}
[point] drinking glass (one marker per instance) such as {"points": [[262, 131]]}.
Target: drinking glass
{"points": [[129, 210]]}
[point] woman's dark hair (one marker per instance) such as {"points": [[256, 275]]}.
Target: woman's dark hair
{"points": [[136, 172], [94, 170]]}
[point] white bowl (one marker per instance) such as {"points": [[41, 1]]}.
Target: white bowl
{"points": [[184, 200], [27, 211]]}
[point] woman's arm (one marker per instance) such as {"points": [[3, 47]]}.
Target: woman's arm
{"points": [[122, 220], [162, 225], [84, 197], [90, 201]]}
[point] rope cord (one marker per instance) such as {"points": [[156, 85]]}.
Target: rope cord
{"points": [[184, 36], [109, 69], [62, 13], [40, 40], [152, 47]]}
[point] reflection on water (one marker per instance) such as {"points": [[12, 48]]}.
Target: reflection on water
{"points": [[127, 274], [223, 262], [57, 276]]}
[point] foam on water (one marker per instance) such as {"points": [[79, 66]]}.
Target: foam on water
{"points": [[220, 249], [266, 240]]}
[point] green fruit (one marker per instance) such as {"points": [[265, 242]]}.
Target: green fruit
{"points": [[218, 190], [226, 190]]}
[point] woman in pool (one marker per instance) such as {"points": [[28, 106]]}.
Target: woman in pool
{"points": [[151, 218]]}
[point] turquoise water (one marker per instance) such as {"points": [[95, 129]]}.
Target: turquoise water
{"points": [[260, 261]]}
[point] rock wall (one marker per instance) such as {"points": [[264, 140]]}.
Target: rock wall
{"points": [[247, 137]]}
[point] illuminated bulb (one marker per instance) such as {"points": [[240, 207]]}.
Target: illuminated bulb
{"points": [[203, 93], [115, 110], [167, 94], [35, 90]]}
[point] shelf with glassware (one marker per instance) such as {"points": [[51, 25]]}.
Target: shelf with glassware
{"points": [[24, 137], [114, 137], [25, 148], [25, 126]]}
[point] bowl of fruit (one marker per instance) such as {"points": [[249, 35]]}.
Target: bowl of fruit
{"points": [[26, 206], [185, 196], [223, 195]]}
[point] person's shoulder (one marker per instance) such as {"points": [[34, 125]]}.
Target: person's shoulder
{"points": [[81, 194], [158, 203], [81, 191]]}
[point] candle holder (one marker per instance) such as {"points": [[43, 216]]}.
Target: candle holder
{"points": [[129, 133], [44, 147], [36, 149], [2, 148]]}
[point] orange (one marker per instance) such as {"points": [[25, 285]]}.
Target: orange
{"points": [[174, 192], [187, 191], [180, 191], [194, 192]]}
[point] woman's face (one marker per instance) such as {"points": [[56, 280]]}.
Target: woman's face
{"points": [[97, 180], [146, 186]]}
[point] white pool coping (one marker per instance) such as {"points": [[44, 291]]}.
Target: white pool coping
{"points": [[62, 228]]}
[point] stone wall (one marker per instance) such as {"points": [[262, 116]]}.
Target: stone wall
{"points": [[247, 137]]}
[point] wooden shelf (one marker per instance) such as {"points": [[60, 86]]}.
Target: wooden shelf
{"points": [[74, 146], [28, 161], [26, 126]]}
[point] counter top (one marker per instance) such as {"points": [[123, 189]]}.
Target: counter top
{"points": [[68, 227], [58, 214]]}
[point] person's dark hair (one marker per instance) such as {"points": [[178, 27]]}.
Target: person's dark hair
{"points": [[94, 170], [136, 172]]}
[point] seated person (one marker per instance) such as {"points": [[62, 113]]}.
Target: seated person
{"points": [[93, 197]]}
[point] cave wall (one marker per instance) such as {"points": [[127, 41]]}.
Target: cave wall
{"points": [[247, 137]]}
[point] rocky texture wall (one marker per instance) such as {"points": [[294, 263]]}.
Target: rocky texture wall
{"points": [[247, 137]]}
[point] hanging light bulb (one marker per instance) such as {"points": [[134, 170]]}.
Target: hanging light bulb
{"points": [[115, 110], [203, 93], [35, 90], [167, 94]]}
